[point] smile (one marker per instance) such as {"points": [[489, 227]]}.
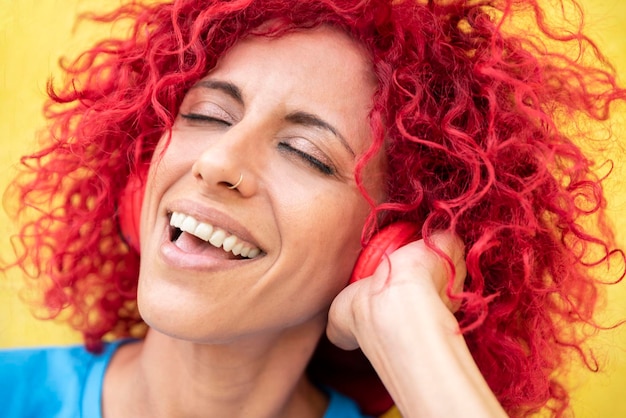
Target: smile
{"points": [[183, 223]]}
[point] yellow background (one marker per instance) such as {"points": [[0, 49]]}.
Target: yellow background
{"points": [[34, 33]]}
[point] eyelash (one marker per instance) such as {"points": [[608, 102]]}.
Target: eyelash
{"points": [[204, 118], [308, 158]]}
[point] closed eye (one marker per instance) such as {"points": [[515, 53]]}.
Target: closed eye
{"points": [[197, 117], [308, 158]]}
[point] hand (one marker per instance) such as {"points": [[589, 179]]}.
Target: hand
{"points": [[402, 318], [412, 266]]}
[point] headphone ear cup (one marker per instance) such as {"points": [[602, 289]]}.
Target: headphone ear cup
{"points": [[129, 212], [382, 245]]}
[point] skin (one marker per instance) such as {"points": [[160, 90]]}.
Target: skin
{"points": [[422, 359], [233, 337], [237, 334], [281, 201]]}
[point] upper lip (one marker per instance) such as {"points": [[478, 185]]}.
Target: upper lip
{"points": [[215, 217]]}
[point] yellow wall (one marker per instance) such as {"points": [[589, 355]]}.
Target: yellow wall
{"points": [[34, 33]]}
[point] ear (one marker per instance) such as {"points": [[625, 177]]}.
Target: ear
{"points": [[129, 211]]}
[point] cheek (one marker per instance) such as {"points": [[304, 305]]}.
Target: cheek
{"points": [[323, 231], [168, 165], [166, 168], [169, 161]]}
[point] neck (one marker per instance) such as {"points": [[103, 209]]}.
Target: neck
{"points": [[261, 377]]}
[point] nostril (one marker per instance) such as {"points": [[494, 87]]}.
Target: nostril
{"points": [[227, 185], [234, 186], [196, 172]]}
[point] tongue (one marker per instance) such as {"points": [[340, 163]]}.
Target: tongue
{"points": [[194, 245]]}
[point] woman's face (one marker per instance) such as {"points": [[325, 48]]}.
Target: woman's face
{"points": [[289, 117]]}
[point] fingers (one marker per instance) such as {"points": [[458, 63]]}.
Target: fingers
{"points": [[437, 262], [452, 259], [342, 319], [439, 272]]}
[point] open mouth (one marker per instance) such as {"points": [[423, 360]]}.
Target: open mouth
{"points": [[193, 236]]}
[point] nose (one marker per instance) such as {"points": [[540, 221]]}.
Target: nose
{"points": [[227, 163]]}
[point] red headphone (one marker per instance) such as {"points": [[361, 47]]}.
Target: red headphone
{"points": [[129, 211]]}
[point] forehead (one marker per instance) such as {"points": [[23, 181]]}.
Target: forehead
{"points": [[320, 48], [320, 71], [317, 57]]}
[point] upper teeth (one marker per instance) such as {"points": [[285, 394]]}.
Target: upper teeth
{"points": [[215, 236]]}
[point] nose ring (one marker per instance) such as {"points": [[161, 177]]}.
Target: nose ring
{"points": [[234, 186]]}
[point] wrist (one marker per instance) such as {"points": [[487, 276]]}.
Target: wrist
{"points": [[413, 341]]}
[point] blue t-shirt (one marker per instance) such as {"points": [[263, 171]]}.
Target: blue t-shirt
{"points": [[66, 382]]}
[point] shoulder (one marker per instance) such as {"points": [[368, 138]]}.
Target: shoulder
{"points": [[341, 406], [50, 381], [42, 360]]}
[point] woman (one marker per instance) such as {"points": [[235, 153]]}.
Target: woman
{"points": [[273, 139]]}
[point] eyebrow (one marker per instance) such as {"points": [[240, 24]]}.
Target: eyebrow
{"points": [[229, 88], [308, 119], [299, 118]]}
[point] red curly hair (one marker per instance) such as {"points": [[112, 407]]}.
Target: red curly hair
{"points": [[479, 117]]}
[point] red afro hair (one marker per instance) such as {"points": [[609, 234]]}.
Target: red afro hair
{"points": [[480, 114]]}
